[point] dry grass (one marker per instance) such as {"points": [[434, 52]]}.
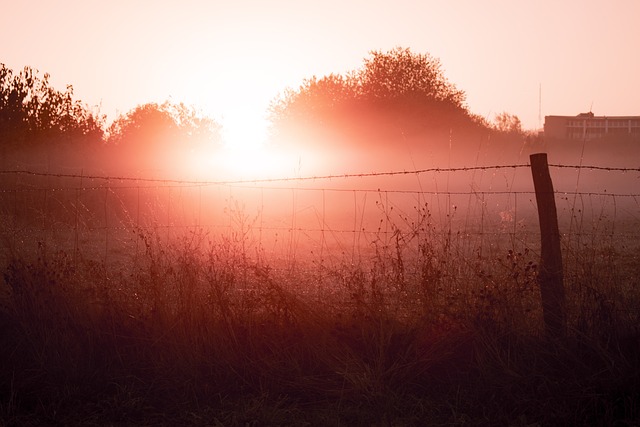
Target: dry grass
{"points": [[429, 330]]}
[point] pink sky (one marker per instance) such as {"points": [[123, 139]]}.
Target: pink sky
{"points": [[229, 58]]}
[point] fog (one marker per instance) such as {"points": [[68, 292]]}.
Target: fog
{"points": [[326, 200]]}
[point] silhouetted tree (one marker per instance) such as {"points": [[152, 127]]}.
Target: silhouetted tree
{"points": [[395, 93], [144, 125], [508, 123], [155, 136], [32, 111], [151, 125], [315, 100], [402, 75]]}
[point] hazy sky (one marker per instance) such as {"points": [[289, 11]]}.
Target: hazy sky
{"points": [[230, 57]]}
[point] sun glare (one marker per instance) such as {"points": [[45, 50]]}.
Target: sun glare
{"points": [[244, 154], [251, 163], [244, 131]]}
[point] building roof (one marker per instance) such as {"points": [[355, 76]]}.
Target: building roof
{"points": [[590, 115]]}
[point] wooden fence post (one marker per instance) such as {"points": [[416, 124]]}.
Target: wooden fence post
{"points": [[550, 276]]}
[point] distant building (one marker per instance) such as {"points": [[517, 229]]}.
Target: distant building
{"points": [[587, 126]]}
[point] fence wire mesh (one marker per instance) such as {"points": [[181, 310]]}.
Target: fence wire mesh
{"points": [[331, 218]]}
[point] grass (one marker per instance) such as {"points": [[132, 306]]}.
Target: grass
{"points": [[430, 329]]}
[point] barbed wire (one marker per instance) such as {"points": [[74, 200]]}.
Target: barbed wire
{"points": [[81, 215], [265, 180], [602, 168], [307, 178], [343, 190]]}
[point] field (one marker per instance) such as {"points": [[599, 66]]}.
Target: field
{"points": [[407, 299]]}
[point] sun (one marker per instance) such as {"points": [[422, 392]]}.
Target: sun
{"points": [[244, 130], [246, 153], [243, 156]]}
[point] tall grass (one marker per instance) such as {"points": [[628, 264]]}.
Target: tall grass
{"points": [[208, 330]]}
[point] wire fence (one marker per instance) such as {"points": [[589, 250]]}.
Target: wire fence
{"points": [[480, 210]]}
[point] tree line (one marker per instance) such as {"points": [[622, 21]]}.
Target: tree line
{"points": [[394, 93], [33, 112]]}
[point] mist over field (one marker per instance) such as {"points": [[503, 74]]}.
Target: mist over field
{"points": [[378, 260]]}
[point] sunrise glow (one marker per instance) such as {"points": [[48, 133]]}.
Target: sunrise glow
{"points": [[252, 163], [244, 130], [285, 212], [243, 156]]}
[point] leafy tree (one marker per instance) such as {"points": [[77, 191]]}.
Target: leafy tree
{"points": [[394, 93], [156, 137], [32, 111], [143, 125], [508, 123], [401, 74], [152, 125]]}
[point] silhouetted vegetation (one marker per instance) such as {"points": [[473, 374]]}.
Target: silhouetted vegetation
{"points": [[396, 94], [43, 127], [508, 123], [153, 124], [206, 329], [33, 112], [399, 105], [153, 136], [198, 331]]}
